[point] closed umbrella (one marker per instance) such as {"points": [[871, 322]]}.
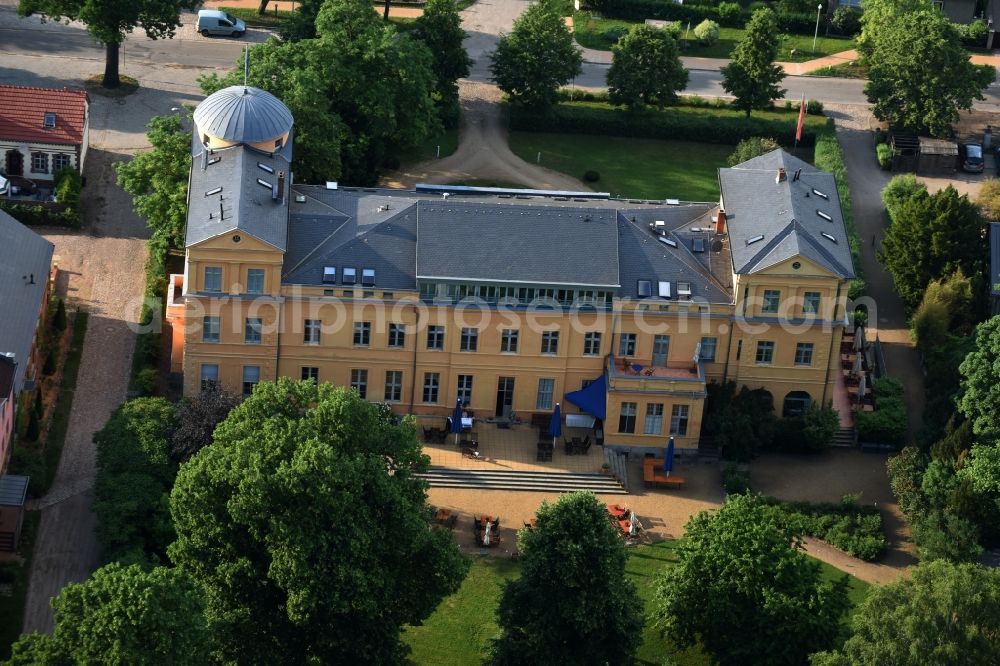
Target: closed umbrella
{"points": [[486, 533], [857, 364], [456, 420], [668, 459], [632, 528], [859, 338], [862, 386], [555, 425]]}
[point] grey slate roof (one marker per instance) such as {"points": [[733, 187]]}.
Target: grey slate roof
{"points": [[243, 114], [784, 213], [242, 203], [513, 243], [13, 489], [23, 255]]}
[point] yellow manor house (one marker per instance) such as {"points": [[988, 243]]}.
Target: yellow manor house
{"points": [[507, 300]]}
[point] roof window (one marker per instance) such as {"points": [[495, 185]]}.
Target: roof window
{"points": [[820, 194], [214, 190], [755, 239], [264, 183], [329, 274], [645, 288], [824, 216], [214, 160], [368, 277], [667, 241], [350, 276], [829, 237], [698, 244], [265, 167], [664, 289], [684, 290], [50, 120]]}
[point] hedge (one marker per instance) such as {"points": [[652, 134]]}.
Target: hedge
{"points": [[887, 424], [674, 123], [36, 214], [640, 10], [854, 529]]}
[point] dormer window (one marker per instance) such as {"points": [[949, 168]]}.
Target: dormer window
{"points": [[329, 274], [350, 276], [50, 121], [367, 277]]}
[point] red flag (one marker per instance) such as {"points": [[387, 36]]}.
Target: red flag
{"points": [[802, 117]]}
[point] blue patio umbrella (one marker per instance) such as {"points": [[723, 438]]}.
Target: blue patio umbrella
{"points": [[555, 425], [668, 460], [456, 419]]}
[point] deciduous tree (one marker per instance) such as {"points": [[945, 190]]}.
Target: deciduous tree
{"points": [[536, 58], [307, 528], [157, 179], [197, 418], [122, 616], [980, 401], [751, 76], [920, 76], [744, 590], [440, 28], [646, 69], [110, 22], [572, 603], [755, 146], [942, 614]]}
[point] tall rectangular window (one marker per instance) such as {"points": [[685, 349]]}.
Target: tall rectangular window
{"points": [[251, 377], [255, 280], [546, 387], [804, 353], [39, 163], [209, 376], [213, 278], [679, 420], [626, 418], [470, 340], [626, 345], [508, 341], [465, 389], [550, 342], [362, 333], [359, 382], [252, 331], [311, 332], [772, 299], [397, 335], [210, 327], [60, 161], [810, 302], [393, 385], [708, 349], [765, 352], [592, 344], [435, 337], [654, 419], [432, 383], [310, 373]]}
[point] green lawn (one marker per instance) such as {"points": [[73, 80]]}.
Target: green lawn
{"points": [[460, 629], [590, 33], [630, 168], [428, 149], [844, 71]]}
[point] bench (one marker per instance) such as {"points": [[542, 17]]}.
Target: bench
{"points": [[653, 475]]}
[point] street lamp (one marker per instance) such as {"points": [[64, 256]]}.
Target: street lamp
{"points": [[816, 34]]}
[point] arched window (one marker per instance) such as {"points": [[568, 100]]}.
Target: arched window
{"points": [[796, 403]]}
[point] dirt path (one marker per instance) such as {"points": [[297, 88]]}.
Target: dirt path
{"points": [[483, 152]]}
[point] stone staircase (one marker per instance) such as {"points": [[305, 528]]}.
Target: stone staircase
{"points": [[559, 482], [845, 437], [707, 447]]}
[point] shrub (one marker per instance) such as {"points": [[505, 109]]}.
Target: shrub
{"points": [[614, 33], [857, 530], [591, 176], [747, 149], [147, 380], [59, 319], [32, 431], [735, 481], [819, 425], [973, 34], [39, 406], [49, 366], [883, 426], [899, 190], [729, 12], [707, 32], [884, 154], [29, 461], [38, 214], [814, 107], [68, 184], [846, 20]]}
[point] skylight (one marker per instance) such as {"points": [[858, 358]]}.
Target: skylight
{"points": [[350, 276], [664, 289], [263, 182], [214, 160], [368, 277], [329, 274], [265, 167], [667, 241], [755, 239], [824, 216], [829, 237], [645, 288], [820, 194], [50, 121], [698, 244], [214, 190]]}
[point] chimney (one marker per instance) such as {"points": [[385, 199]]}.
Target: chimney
{"points": [[798, 174], [31, 279], [780, 177], [281, 186], [720, 222]]}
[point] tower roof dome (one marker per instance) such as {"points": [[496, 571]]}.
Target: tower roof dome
{"points": [[243, 114]]}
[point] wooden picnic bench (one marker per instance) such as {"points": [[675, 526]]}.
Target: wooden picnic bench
{"points": [[653, 475]]}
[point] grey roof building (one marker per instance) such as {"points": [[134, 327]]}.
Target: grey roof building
{"points": [[777, 207], [25, 260], [243, 114]]}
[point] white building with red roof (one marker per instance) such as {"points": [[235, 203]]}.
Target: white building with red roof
{"points": [[42, 130]]}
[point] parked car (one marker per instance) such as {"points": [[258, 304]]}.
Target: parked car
{"points": [[972, 158], [996, 157], [4, 185], [216, 22]]}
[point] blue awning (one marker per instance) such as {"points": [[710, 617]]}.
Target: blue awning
{"points": [[592, 399]]}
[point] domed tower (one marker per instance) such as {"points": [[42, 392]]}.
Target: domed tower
{"points": [[243, 115]]}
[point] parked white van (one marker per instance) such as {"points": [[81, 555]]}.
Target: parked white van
{"points": [[216, 22]]}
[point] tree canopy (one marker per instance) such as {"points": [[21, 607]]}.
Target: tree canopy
{"points": [[646, 69], [932, 236], [309, 532], [980, 401], [157, 179], [745, 592], [359, 92], [197, 418], [752, 147], [122, 616], [572, 603], [942, 614], [110, 21], [440, 28], [751, 76], [536, 58], [919, 74]]}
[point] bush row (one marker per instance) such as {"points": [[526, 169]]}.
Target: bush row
{"points": [[670, 124], [36, 214], [147, 348], [854, 529], [829, 157], [887, 424], [639, 10]]}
